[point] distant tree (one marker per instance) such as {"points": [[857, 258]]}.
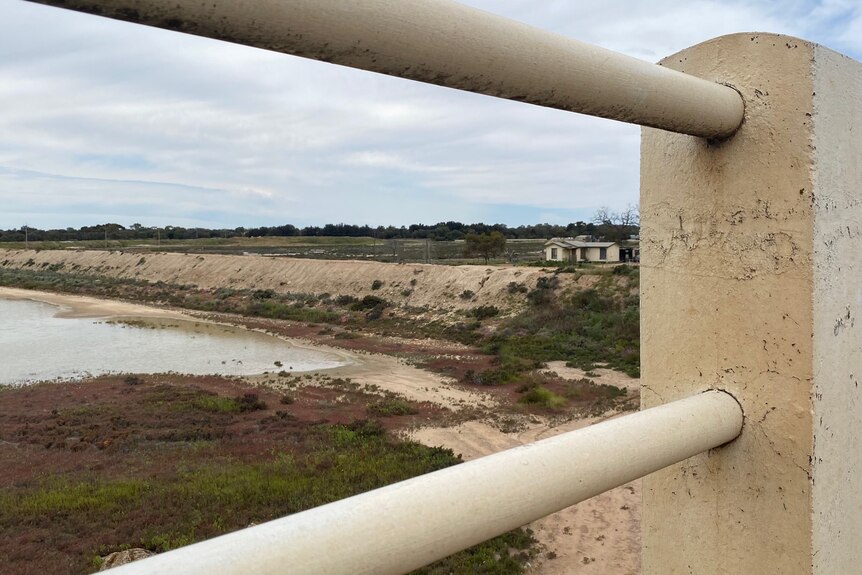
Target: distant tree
{"points": [[485, 245], [603, 217], [617, 226]]}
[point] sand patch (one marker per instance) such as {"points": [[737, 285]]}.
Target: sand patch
{"points": [[75, 306], [600, 535]]}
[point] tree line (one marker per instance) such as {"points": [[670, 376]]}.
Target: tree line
{"points": [[606, 224]]}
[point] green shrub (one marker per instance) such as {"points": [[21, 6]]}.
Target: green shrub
{"points": [[515, 287], [224, 293], [368, 302], [346, 335], [543, 294], [263, 294], [132, 380], [543, 397], [249, 402], [484, 312], [389, 407], [376, 312], [216, 404], [345, 300], [597, 325], [376, 284]]}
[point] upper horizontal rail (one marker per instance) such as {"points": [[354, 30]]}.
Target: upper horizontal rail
{"points": [[401, 527], [446, 43]]}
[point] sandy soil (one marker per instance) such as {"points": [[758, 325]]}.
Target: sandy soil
{"points": [[73, 306], [599, 375], [600, 535], [433, 286], [392, 374]]}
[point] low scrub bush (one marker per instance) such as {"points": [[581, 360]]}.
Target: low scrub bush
{"points": [[543, 397], [249, 402], [484, 312], [389, 407], [132, 380], [368, 302], [515, 287]]}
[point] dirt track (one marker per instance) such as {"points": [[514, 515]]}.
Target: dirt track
{"points": [[599, 536], [419, 285]]}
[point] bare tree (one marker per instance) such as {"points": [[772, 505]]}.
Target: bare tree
{"points": [[618, 224], [603, 216], [631, 216]]}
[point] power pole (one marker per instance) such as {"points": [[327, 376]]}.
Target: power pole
{"points": [[26, 238]]}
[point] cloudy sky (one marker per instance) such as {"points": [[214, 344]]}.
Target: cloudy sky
{"points": [[102, 121]]}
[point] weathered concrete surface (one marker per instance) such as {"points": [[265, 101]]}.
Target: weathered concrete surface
{"points": [[749, 284], [836, 480]]}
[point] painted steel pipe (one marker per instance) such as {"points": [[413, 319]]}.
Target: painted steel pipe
{"points": [[404, 526], [445, 43]]}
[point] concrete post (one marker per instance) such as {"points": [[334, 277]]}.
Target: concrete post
{"points": [[752, 282]]}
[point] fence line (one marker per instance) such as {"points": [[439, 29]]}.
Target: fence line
{"points": [[404, 526], [448, 44]]}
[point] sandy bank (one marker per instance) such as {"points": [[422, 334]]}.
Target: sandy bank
{"points": [[439, 287], [74, 306]]}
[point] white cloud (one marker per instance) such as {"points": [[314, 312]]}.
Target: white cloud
{"points": [[102, 119]]}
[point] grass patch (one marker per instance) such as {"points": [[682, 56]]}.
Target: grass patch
{"points": [[216, 404], [159, 485], [61, 497], [543, 397], [392, 406]]}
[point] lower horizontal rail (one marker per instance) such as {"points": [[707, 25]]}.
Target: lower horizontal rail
{"points": [[404, 526]]}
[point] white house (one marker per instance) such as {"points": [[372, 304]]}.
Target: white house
{"points": [[581, 249]]}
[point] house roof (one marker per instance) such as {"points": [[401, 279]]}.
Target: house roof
{"points": [[571, 243]]}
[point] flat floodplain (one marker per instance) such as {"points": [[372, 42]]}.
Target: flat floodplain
{"points": [[92, 467]]}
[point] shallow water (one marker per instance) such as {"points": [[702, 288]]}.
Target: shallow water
{"points": [[35, 345]]}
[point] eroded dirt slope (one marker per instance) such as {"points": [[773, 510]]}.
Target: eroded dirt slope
{"points": [[418, 285]]}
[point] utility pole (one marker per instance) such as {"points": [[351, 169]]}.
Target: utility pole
{"points": [[26, 238]]}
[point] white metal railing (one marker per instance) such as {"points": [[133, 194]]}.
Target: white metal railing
{"points": [[407, 525], [448, 44]]}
